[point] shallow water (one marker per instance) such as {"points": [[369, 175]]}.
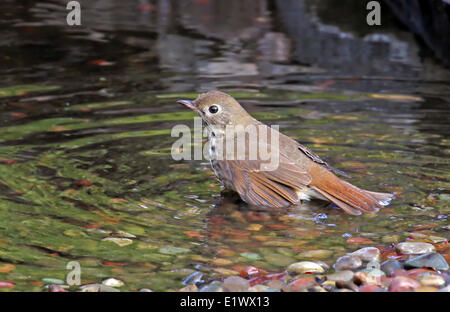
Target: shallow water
{"points": [[86, 117]]}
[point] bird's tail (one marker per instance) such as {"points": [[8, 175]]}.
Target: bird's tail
{"points": [[350, 198]]}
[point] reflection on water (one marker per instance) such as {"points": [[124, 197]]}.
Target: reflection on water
{"points": [[86, 113]]}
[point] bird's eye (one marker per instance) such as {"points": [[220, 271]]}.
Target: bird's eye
{"points": [[213, 109]]}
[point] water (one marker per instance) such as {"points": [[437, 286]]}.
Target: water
{"points": [[86, 115]]}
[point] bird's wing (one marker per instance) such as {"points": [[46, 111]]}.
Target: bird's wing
{"points": [[311, 155], [277, 188]]}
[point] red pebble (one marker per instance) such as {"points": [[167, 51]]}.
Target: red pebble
{"points": [[251, 271], [403, 284], [301, 284], [6, 284]]}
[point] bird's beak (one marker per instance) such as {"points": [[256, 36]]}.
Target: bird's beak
{"points": [[188, 104]]}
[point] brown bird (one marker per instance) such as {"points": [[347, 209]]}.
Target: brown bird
{"points": [[299, 174]]}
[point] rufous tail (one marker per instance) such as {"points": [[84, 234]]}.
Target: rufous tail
{"points": [[350, 198]]}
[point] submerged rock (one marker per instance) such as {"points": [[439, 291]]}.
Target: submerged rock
{"points": [[429, 260], [112, 282], [402, 284], [304, 267], [345, 276], [98, 288], [409, 248], [235, 283], [349, 262], [214, 286], [390, 266], [432, 280], [367, 254]]}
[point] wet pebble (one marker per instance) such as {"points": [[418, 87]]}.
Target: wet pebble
{"points": [[98, 288], [374, 272], [315, 254], [430, 260], [304, 267], [347, 285], [349, 262], [426, 289], [53, 281], [402, 284], [112, 282], [4, 284], [300, 284], [367, 254], [172, 250], [414, 248], [432, 280], [390, 266], [235, 283], [214, 286], [364, 278], [119, 241], [278, 259], [346, 275]]}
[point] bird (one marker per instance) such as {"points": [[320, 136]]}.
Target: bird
{"points": [[299, 173]]}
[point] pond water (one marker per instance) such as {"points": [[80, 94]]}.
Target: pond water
{"points": [[86, 115]]}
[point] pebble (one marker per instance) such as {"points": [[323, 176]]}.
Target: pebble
{"points": [[367, 254], [98, 288], [433, 239], [251, 256], [430, 260], [426, 289], [214, 286], [299, 285], [235, 283], [409, 248], [4, 284], [147, 290], [402, 284], [349, 262], [348, 285], [226, 272], [304, 267], [374, 272], [316, 289], [346, 275], [172, 250], [119, 241], [390, 266], [315, 254], [53, 281], [364, 278], [432, 280], [278, 259], [275, 284], [112, 282]]}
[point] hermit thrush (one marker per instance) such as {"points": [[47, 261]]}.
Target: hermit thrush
{"points": [[297, 174]]}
